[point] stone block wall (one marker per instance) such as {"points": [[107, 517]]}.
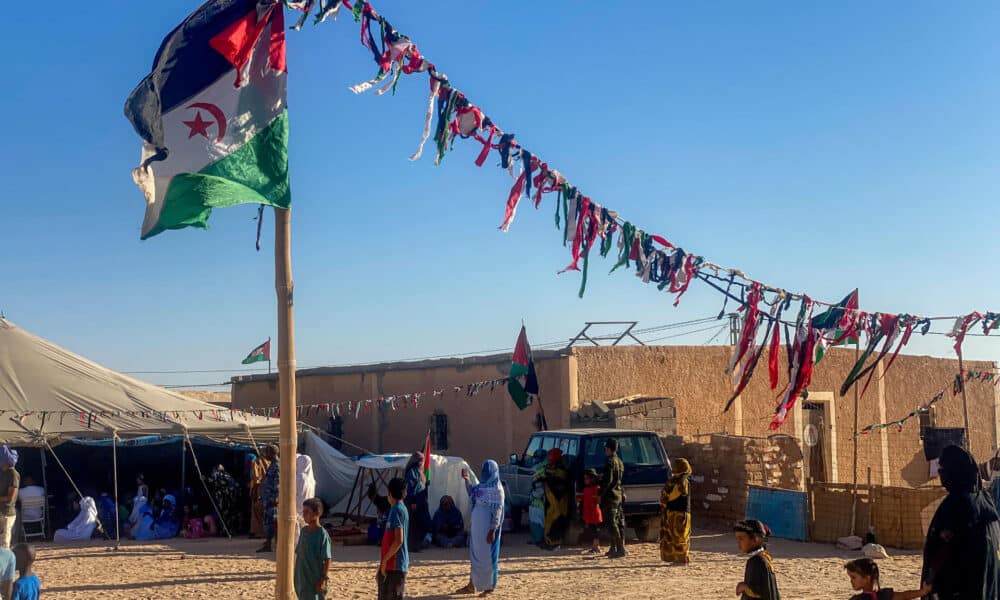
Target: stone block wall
{"points": [[725, 465]]}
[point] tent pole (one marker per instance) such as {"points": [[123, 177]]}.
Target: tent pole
{"points": [[204, 485], [183, 472], [114, 461], [350, 499], [100, 527], [287, 510], [45, 484]]}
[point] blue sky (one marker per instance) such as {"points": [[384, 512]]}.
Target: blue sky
{"points": [[818, 148]]}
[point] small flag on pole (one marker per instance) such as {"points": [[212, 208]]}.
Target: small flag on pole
{"points": [[427, 459], [259, 354], [523, 382]]}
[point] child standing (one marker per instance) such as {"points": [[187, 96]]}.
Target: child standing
{"points": [[864, 578], [395, 561], [27, 586], [590, 508], [312, 554], [758, 577]]}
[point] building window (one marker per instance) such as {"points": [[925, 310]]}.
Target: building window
{"points": [[926, 421], [440, 431], [336, 430]]}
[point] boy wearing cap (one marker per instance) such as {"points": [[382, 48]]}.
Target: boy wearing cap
{"points": [[758, 577], [590, 509]]}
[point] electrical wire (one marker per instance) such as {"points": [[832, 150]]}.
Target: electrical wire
{"points": [[541, 346]]}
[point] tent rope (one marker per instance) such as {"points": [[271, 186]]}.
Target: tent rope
{"points": [[204, 484], [100, 526], [333, 437], [114, 461]]}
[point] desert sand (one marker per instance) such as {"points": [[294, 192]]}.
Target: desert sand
{"points": [[224, 569]]}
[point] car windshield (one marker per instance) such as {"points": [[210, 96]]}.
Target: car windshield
{"points": [[634, 450]]}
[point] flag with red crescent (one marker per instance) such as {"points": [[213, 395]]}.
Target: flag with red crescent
{"points": [[212, 116]]}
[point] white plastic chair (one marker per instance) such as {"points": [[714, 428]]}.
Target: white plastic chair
{"points": [[40, 505]]}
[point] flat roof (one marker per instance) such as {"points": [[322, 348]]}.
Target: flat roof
{"points": [[411, 365], [594, 431]]}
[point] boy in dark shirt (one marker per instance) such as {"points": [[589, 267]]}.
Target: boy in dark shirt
{"points": [[865, 579], [758, 578]]}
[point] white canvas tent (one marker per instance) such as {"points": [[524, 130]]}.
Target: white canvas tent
{"points": [[48, 393], [337, 475]]}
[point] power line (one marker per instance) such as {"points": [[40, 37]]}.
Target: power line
{"points": [[667, 337], [544, 345]]}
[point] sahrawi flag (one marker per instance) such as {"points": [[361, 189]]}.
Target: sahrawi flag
{"points": [[838, 325], [523, 382], [212, 116], [259, 354]]}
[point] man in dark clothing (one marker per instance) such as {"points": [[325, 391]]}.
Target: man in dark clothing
{"points": [[611, 498], [963, 540]]}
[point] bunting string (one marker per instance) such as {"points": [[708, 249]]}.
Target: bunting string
{"points": [[958, 382], [92, 419], [584, 224]]}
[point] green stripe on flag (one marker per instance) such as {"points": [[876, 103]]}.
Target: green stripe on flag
{"points": [[256, 173]]}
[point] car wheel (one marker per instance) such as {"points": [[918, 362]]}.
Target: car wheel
{"points": [[515, 517], [642, 530]]}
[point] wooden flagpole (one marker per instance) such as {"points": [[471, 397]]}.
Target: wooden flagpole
{"points": [[287, 512]]}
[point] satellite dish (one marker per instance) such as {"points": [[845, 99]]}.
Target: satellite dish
{"points": [[810, 435]]}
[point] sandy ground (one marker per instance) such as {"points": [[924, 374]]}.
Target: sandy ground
{"points": [[223, 569]]}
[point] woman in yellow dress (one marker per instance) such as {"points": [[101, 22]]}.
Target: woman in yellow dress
{"points": [[675, 515]]}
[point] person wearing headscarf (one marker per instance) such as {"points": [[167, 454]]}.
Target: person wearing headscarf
{"points": [[168, 523], [82, 526], [557, 497], [484, 533], [675, 515], [960, 554], [448, 526], [256, 470], [994, 474], [536, 510], [10, 481], [305, 482], [269, 497], [305, 488], [107, 514], [226, 493], [416, 499]]}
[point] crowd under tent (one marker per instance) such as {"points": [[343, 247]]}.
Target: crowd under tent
{"points": [[342, 481], [49, 396]]}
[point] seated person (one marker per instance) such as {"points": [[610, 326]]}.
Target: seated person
{"points": [[448, 526], [142, 529], [107, 513], [192, 527], [165, 525], [210, 524], [82, 527], [381, 504], [168, 522], [31, 491]]}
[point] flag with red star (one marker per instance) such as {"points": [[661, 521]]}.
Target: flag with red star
{"points": [[212, 116]]}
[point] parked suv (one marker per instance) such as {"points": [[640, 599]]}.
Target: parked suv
{"points": [[646, 468]]}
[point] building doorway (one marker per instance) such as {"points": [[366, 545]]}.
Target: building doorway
{"points": [[816, 434]]}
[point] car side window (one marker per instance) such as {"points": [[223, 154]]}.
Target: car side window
{"points": [[548, 442], [533, 445]]}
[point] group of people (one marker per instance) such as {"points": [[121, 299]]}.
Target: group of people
{"points": [[599, 502], [961, 557], [263, 486]]}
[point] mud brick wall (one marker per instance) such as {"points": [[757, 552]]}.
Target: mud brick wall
{"points": [[725, 465]]}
